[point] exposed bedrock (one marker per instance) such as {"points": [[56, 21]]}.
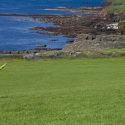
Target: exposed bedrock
{"points": [[95, 42]]}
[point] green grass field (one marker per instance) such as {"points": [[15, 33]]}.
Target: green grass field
{"points": [[63, 92], [117, 6]]}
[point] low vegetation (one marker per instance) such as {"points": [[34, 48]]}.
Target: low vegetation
{"points": [[63, 92], [116, 6], [102, 53], [84, 54], [117, 2], [121, 26]]}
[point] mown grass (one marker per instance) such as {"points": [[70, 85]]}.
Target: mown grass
{"points": [[63, 92]]}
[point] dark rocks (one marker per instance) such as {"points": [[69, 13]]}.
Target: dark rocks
{"points": [[69, 41], [52, 40], [41, 45], [71, 26]]}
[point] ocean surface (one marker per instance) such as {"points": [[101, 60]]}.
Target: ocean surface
{"points": [[14, 31]]}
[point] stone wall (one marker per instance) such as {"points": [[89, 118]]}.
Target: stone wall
{"points": [[95, 42]]}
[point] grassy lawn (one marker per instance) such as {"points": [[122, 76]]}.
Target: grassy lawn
{"points": [[63, 92]]}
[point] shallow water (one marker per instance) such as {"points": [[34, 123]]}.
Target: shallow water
{"points": [[15, 34], [38, 6]]}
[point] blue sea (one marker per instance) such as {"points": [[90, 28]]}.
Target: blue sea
{"points": [[14, 31]]}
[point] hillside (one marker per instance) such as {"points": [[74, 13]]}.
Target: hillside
{"points": [[115, 7]]}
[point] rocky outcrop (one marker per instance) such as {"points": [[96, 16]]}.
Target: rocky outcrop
{"points": [[95, 42]]}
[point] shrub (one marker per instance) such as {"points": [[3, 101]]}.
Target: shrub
{"points": [[121, 26]]}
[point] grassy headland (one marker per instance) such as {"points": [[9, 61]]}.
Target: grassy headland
{"points": [[62, 92], [116, 6]]}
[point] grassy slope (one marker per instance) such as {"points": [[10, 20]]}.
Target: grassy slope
{"points": [[117, 6], [63, 92]]}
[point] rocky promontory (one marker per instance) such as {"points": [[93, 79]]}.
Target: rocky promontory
{"points": [[95, 42]]}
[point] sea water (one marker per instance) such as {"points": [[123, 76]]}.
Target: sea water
{"points": [[14, 31]]}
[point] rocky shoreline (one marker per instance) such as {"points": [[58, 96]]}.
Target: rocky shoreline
{"points": [[95, 42], [95, 23]]}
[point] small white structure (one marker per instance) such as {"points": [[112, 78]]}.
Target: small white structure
{"points": [[112, 26]]}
